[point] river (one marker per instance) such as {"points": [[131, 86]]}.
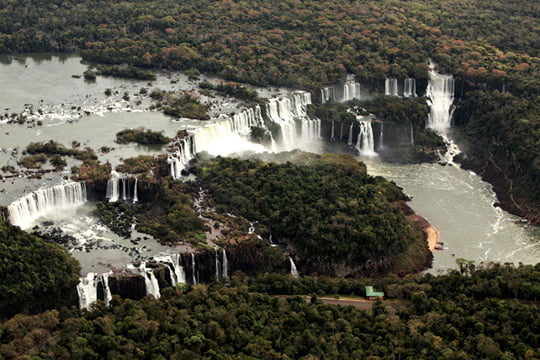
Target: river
{"points": [[456, 202]]}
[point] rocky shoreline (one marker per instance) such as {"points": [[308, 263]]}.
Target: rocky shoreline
{"points": [[503, 188]]}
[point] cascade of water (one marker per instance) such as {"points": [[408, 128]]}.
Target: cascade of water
{"points": [[113, 187], [172, 275], [409, 87], [391, 87], [286, 112], [135, 193], [217, 262], [152, 285], [365, 144], [124, 189], [225, 264], [104, 279], [310, 130], [327, 94], [46, 201], [381, 137], [87, 290], [194, 277], [351, 90], [332, 135], [173, 263], [440, 93], [229, 133], [341, 132], [178, 268], [294, 272], [412, 134], [349, 142], [179, 160]]}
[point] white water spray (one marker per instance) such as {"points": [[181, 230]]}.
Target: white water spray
{"points": [[193, 276], [440, 94], [365, 143], [391, 87], [294, 272], [45, 202]]}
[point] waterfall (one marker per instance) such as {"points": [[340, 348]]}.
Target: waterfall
{"points": [[294, 272], [310, 130], [228, 134], [412, 134], [286, 112], [217, 262], [332, 135], [104, 280], [124, 189], [327, 94], [176, 270], [87, 290], [440, 93], [135, 196], [351, 90], [365, 144], [391, 87], [118, 188], [225, 264], [46, 201], [341, 132], [152, 285], [348, 91], [350, 134], [172, 275], [194, 278], [179, 160], [409, 88], [381, 137], [113, 187]]}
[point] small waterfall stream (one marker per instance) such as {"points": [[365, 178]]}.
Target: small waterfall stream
{"points": [[294, 272], [365, 143], [391, 87], [193, 270]]}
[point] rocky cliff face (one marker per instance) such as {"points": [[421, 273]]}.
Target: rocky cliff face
{"points": [[126, 285]]}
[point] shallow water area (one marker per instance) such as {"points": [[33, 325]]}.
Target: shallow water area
{"points": [[96, 247]]}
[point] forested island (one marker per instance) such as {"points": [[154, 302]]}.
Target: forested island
{"points": [[343, 228]]}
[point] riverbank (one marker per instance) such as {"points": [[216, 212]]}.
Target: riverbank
{"points": [[430, 233]]}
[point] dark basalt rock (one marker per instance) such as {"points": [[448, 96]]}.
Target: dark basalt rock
{"points": [[127, 285]]}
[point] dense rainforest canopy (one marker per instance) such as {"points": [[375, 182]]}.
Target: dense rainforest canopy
{"points": [[454, 316], [36, 275], [333, 216], [295, 43]]}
